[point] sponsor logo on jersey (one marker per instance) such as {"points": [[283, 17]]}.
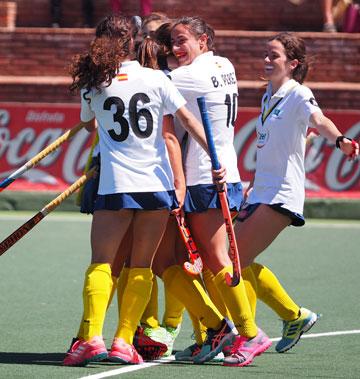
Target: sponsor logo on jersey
{"points": [[262, 138], [121, 77]]}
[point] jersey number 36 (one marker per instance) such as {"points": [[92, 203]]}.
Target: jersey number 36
{"points": [[134, 116]]}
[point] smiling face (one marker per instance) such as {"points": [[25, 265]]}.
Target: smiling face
{"points": [[277, 67], [186, 47]]}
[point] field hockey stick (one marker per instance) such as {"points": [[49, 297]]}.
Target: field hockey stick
{"points": [[195, 266], [38, 157], [231, 280], [25, 228]]}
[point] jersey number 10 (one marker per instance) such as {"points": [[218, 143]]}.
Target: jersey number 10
{"points": [[231, 104]]}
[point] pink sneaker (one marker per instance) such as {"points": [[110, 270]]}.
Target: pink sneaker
{"points": [[74, 345], [122, 352], [244, 349], [84, 352]]}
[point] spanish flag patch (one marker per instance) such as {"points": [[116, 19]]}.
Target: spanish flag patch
{"points": [[121, 77]]}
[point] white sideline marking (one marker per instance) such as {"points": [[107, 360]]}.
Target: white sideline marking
{"points": [[329, 334], [126, 369]]}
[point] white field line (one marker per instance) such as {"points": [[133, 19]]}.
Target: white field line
{"points": [[127, 369]]}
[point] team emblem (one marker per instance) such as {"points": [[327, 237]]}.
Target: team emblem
{"points": [[313, 102]]}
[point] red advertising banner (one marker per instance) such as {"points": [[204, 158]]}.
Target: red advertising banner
{"points": [[27, 128]]}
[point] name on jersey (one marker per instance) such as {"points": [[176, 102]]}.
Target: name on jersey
{"points": [[226, 80]]}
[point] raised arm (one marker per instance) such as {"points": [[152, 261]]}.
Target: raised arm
{"points": [[328, 130]]}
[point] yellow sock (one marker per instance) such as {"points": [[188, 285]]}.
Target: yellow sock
{"points": [[136, 295], [213, 291], [150, 315], [272, 293], [114, 280], [199, 329], [96, 294], [174, 310], [237, 303], [80, 333], [249, 279], [191, 293], [121, 284]]}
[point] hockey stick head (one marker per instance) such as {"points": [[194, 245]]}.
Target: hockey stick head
{"points": [[194, 268], [232, 280], [195, 264]]}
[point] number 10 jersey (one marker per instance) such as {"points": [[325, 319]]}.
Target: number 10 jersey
{"points": [[214, 78]]}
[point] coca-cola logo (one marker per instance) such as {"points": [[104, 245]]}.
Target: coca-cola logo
{"points": [[339, 174], [19, 145]]}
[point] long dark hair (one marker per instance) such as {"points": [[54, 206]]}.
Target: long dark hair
{"points": [[197, 27], [154, 51], [112, 43], [294, 49]]}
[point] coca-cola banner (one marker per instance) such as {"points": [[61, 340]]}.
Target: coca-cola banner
{"points": [[26, 129]]}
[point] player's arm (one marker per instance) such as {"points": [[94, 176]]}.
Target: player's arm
{"points": [[174, 151], [193, 126], [328, 130]]}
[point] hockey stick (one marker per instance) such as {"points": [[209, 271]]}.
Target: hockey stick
{"points": [[25, 228], [221, 190], [195, 266], [38, 157]]}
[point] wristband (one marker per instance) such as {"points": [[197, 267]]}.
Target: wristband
{"points": [[340, 139]]}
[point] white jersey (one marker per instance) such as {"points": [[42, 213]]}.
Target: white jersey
{"points": [[281, 135], [129, 113], [214, 78]]}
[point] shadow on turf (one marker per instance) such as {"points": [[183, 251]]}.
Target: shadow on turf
{"points": [[47, 359]]}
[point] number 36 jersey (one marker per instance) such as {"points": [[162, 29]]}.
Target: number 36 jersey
{"points": [[129, 113], [214, 78]]}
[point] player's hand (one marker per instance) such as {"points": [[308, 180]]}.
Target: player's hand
{"points": [[350, 148], [180, 193], [219, 176]]}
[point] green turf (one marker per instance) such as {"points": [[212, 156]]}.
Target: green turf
{"points": [[41, 284]]}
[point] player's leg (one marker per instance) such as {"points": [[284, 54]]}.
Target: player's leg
{"points": [[148, 228], [269, 289], [174, 309], [107, 231], [208, 229]]}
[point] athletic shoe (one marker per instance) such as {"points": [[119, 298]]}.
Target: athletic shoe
{"points": [[86, 351], [158, 334], [188, 354], [216, 340], [122, 352], [246, 349], [74, 345], [292, 330], [172, 334], [147, 347]]}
